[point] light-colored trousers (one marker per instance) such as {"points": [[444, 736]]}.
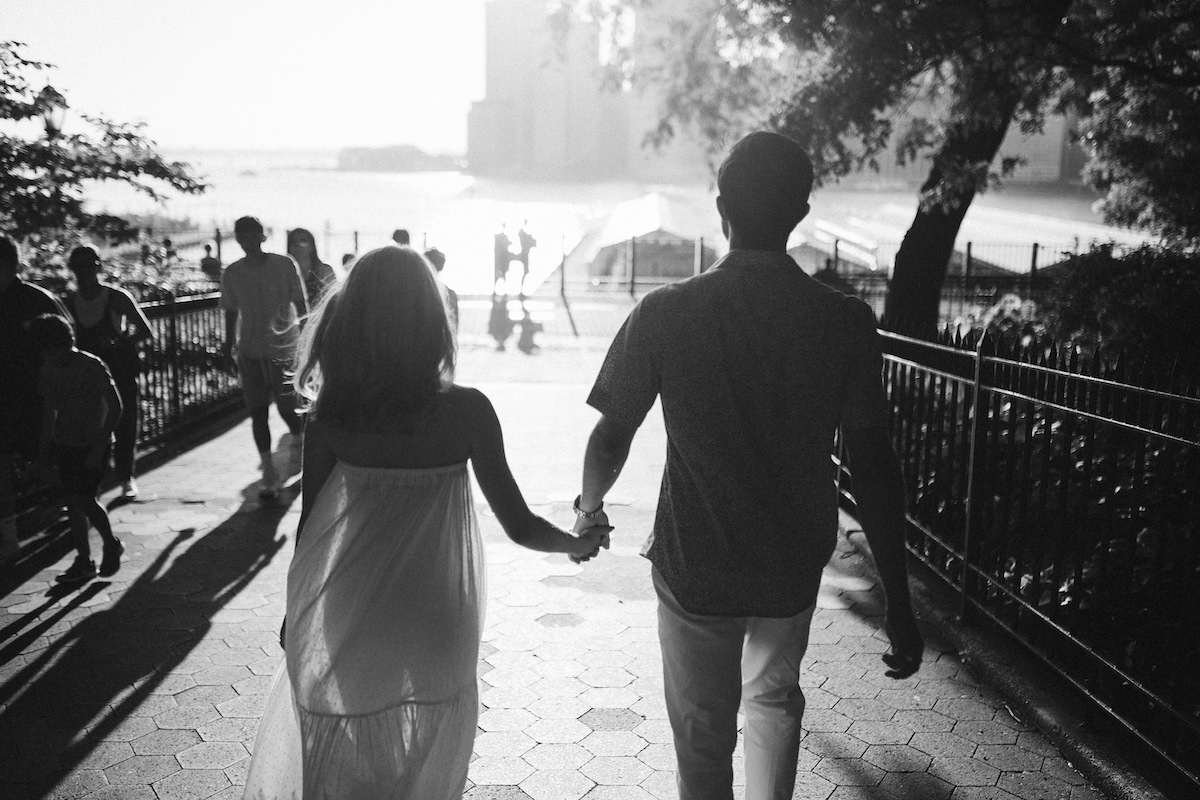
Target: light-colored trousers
{"points": [[710, 665]]}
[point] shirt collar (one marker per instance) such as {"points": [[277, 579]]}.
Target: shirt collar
{"points": [[755, 259]]}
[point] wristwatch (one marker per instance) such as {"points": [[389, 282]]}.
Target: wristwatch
{"points": [[579, 512]]}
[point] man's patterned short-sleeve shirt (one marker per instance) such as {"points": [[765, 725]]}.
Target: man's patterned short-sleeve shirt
{"points": [[757, 365]]}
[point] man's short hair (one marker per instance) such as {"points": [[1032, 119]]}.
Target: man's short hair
{"points": [[48, 331], [10, 253], [400, 236], [250, 225], [764, 184]]}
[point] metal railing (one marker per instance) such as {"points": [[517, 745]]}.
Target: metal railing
{"points": [[183, 382], [1060, 496]]}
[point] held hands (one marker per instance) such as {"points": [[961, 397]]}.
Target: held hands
{"points": [[598, 525], [904, 659], [589, 543]]}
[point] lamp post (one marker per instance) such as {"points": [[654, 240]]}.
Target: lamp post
{"points": [[53, 110]]}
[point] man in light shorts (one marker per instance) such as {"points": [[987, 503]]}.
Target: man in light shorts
{"points": [[264, 302]]}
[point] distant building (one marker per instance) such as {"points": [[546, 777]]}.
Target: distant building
{"points": [[546, 114]]}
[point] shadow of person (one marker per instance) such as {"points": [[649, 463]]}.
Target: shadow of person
{"points": [[101, 663]]}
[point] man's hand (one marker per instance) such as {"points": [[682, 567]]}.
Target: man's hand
{"points": [[904, 659], [582, 524]]}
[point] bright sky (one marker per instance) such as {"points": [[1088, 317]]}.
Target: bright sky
{"points": [[252, 74]]}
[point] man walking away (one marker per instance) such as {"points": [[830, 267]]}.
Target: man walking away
{"points": [[264, 300], [757, 366]]}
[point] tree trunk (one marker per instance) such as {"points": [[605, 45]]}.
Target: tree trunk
{"points": [[915, 291]]}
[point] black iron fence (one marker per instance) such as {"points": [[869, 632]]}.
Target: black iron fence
{"points": [[183, 380], [1060, 496]]}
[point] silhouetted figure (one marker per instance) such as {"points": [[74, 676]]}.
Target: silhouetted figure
{"points": [[347, 258], [400, 237], [316, 274], [502, 247], [438, 259], [20, 409], [109, 323], [80, 409], [263, 299], [210, 265], [525, 342], [527, 243], [500, 327]]}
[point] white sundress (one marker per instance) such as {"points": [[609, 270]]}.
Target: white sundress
{"points": [[377, 696]]}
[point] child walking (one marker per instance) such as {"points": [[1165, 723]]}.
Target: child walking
{"points": [[80, 410]]}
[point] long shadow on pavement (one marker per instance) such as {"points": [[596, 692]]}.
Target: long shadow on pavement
{"points": [[72, 700]]}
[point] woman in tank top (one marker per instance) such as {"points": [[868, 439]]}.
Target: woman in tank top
{"points": [[109, 323]]}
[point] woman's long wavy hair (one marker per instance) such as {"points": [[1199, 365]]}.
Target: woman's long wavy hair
{"points": [[378, 349]]}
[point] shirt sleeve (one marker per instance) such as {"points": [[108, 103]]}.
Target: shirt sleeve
{"points": [[864, 404], [628, 382]]}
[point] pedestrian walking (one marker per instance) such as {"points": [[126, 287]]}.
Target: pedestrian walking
{"points": [[757, 366], [264, 301], [378, 696], [109, 324], [80, 409], [20, 408]]}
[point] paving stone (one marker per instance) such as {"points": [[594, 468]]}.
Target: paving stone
{"points": [[114, 793], [959, 771], [104, 754], [79, 783], [876, 732], [937, 743], [502, 743], [849, 772], [495, 793], [556, 784], [165, 742], [194, 784], [141, 770], [187, 717], [661, 785], [211, 755], [981, 793], [611, 719], [502, 771], [987, 732], [1009, 757], [616, 770], [916, 784], [897, 758], [505, 719], [1034, 786], [618, 793], [557, 756], [613, 743], [558, 731]]}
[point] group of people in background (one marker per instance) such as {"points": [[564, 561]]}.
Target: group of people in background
{"points": [[70, 401]]}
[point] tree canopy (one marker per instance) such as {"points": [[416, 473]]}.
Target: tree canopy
{"points": [[941, 80], [44, 177]]}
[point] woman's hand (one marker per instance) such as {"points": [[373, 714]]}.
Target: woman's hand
{"points": [[589, 542]]}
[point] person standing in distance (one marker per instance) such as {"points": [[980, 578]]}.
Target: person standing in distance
{"points": [[757, 366], [264, 301]]}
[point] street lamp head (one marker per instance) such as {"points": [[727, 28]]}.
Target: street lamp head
{"points": [[52, 106]]}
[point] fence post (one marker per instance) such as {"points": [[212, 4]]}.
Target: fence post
{"points": [[698, 260], [173, 342], [1033, 263], [217, 237], [975, 454], [633, 267], [967, 268], [356, 243], [836, 254]]}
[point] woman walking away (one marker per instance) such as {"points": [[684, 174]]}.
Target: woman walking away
{"points": [[378, 696], [109, 323], [316, 274]]}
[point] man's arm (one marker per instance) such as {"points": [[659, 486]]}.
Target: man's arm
{"points": [[231, 320], [607, 450], [879, 493], [603, 460], [129, 308]]}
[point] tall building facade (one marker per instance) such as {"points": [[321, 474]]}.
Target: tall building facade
{"points": [[546, 113]]}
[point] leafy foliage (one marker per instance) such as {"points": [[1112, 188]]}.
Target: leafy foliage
{"points": [[941, 80], [43, 179], [1142, 304]]}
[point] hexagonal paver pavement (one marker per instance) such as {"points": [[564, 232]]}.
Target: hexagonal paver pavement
{"points": [[149, 686]]}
